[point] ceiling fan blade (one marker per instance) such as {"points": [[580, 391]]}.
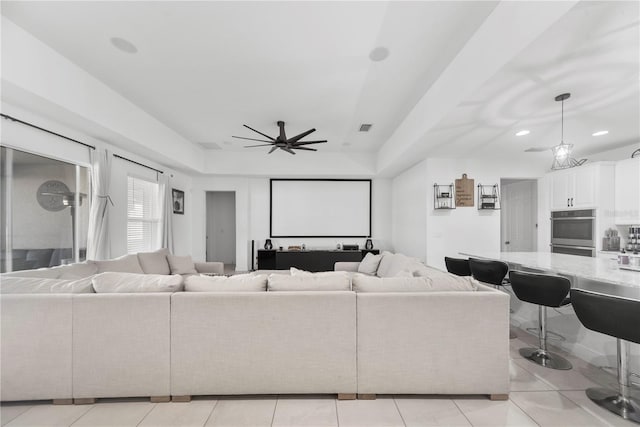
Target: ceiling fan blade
{"points": [[303, 148], [259, 145], [299, 137], [249, 139], [274, 148], [308, 142], [257, 131], [288, 150]]}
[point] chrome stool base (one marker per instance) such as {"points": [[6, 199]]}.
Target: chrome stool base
{"points": [[545, 358], [627, 408]]}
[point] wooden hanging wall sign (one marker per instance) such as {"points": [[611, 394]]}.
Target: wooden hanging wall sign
{"points": [[464, 192]]}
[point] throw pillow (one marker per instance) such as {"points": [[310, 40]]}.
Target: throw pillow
{"points": [[364, 283], [281, 282], [392, 264], [155, 262], [115, 282], [124, 264], [237, 283], [443, 281], [369, 264], [37, 285], [181, 264]]}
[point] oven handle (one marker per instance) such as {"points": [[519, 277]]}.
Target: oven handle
{"points": [[573, 217], [570, 246]]}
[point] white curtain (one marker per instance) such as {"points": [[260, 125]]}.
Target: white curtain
{"points": [[98, 243], [167, 213]]}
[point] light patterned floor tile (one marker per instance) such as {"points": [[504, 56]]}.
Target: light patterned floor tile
{"points": [[523, 380], [369, 413], [305, 412], [425, 412], [9, 411], [514, 346], [242, 412], [174, 414], [570, 379], [117, 414], [50, 415], [580, 398], [484, 412], [550, 408]]}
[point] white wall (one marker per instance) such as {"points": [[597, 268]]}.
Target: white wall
{"points": [[428, 234], [252, 217], [409, 212]]}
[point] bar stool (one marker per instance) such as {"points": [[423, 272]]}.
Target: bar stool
{"points": [[618, 317], [490, 272], [457, 266], [545, 291]]}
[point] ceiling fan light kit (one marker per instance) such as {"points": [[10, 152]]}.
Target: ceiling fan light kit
{"points": [[562, 152], [281, 141]]}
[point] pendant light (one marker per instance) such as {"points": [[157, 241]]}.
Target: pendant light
{"points": [[562, 152]]}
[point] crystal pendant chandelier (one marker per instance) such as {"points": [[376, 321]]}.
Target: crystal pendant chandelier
{"points": [[562, 152]]}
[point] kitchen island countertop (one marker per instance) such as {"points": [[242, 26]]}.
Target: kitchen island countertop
{"points": [[599, 270]]}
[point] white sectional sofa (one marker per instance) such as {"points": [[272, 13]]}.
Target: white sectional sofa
{"points": [[307, 334]]}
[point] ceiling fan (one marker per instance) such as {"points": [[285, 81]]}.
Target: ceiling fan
{"points": [[282, 142]]}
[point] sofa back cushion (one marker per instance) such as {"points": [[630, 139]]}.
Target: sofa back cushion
{"points": [[365, 283], [77, 271], [311, 282], [155, 262], [237, 283], [38, 285], [44, 273], [369, 264], [443, 281], [392, 264], [181, 264], [117, 282], [124, 264]]}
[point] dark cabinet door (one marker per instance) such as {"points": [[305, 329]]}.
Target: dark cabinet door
{"points": [[266, 259]]}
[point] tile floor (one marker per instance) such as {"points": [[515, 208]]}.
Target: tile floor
{"points": [[539, 397]]}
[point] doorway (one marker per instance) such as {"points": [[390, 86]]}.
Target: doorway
{"points": [[519, 217], [221, 228]]}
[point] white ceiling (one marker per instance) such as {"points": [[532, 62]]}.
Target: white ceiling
{"points": [[206, 68]]}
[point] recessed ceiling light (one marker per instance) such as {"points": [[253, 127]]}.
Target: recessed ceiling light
{"points": [[379, 54], [523, 132], [600, 133], [123, 45]]}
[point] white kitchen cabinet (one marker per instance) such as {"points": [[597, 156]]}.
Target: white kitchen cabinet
{"points": [[627, 192], [576, 188]]}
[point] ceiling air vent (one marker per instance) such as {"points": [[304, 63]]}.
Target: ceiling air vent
{"points": [[536, 149], [365, 127]]}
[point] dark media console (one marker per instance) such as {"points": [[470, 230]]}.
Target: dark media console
{"points": [[309, 260]]}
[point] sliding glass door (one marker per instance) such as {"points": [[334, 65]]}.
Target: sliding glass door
{"points": [[44, 211]]}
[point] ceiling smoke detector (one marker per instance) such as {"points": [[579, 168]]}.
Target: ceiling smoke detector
{"points": [[365, 127]]}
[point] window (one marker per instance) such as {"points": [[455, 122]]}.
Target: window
{"points": [[143, 215], [44, 211]]}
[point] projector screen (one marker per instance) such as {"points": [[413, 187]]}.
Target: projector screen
{"points": [[320, 208]]}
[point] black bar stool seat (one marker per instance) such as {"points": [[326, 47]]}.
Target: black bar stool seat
{"points": [[492, 273], [544, 291], [618, 317], [457, 266]]}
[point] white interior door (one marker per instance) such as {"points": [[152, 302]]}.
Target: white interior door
{"points": [[221, 226], [518, 219]]}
